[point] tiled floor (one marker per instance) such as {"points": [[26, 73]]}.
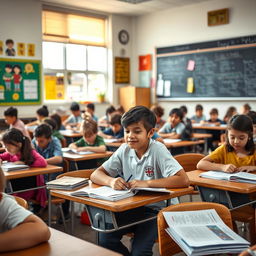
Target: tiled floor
{"points": [[85, 232]]}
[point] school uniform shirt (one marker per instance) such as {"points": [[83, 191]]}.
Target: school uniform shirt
{"points": [[98, 142], [198, 119], [156, 163], [167, 128], [20, 126], [52, 149], [222, 156], [74, 119], [11, 214], [58, 135], [118, 135]]}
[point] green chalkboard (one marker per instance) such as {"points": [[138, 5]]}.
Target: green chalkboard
{"points": [[20, 81], [224, 68]]}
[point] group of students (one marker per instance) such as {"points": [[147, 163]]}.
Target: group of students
{"points": [[149, 164]]}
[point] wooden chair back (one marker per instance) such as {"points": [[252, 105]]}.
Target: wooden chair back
{"points": [[189, 160], [80, 173], [166, 244], [22, 202]]}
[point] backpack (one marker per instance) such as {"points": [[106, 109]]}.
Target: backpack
{"points": [[188, 131]]}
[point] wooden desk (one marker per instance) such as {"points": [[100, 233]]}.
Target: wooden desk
{"points": [[183, 143], [203, 136], [70, 134], [102, 211], [221, 191], [221, 127], [62, 244]]}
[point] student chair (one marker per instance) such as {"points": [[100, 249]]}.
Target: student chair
{"points": [[80, 173], [22, 202], [189, 161], [167, 246]]}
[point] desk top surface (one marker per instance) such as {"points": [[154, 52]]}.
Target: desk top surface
{"points": [[32, 171], [63, 244], [201, 135], [70, 133], [183, 143], [77, 157], [140, 199], [222, 127], [239, 187]]}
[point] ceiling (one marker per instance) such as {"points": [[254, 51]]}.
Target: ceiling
{"points": [[124, 8]]}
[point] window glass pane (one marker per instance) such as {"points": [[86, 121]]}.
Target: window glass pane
{"points": [[96, 85], [76, 90], [53, 55], [76, 57], [54, 86], [97, 58]]}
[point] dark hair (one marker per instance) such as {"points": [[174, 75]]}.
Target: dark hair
{"points": [[16, 66], [15, 136], [230, 112], [214, 111], [57, 120], [247, 107], [74, 106], [51, 122], [109, 110], [43, 130], [43, 111], [199, 107], [115, 119], [11, 111], [242, 123], [9, 41], [139, 114], [120, 109], [91, 106], [157, 110], [252, 115], [177, 112], [89, 127], [184, 109], [8, 66]]}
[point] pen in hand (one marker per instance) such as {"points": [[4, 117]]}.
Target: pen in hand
{"points": [[128, 181], [129, 178]]}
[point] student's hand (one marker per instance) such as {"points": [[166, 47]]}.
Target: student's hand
{"points": [[230, 168], [246, 169], [81, 149], [73, 146], [119, 184], [138, 183]]}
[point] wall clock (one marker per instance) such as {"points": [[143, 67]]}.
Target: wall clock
{"points": [[123, 36]]}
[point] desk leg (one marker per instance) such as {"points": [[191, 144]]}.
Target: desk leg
{"points": [[205, 146], [72, 217], [49, 208]]}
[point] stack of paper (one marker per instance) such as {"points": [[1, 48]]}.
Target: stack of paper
{"points": [[202, 233], [67, 183], [238, 177], [6, 167]]}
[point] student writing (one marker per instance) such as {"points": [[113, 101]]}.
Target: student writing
{"points": [[151, 165], [41, 114], [19, 228], [19, 150], [74, 120]]}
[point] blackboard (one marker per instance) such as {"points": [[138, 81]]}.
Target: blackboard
{"points": [[224, 68]]}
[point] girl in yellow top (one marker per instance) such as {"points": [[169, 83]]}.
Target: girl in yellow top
{"points": [[238, 153]]}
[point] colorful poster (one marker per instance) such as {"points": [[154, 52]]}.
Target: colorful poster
{"points": [[145, 62], [54, 87], [31, 50], [20, 82], [1, 47], [21, 49]]}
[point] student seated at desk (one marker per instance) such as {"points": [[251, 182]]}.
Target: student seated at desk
{"points": [[159, 112], [246, 108], [74, 120], [252, 115], [215, 139], [20, 151], [11, 118], [48, 146], [140, 162], [231, 111], [89, 142], [199, 117], [115, 130], [103, 122], [174, 128], [90, 109], [41, 114], [19, 228]]}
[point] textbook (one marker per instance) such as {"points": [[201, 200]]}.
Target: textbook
{"points": [[237, 177], [67, 183], [110, 194], [74, 151], [203, 232], [9, 166]]}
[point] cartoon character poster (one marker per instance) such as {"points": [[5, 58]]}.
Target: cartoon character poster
{"points": [[20, 81]]}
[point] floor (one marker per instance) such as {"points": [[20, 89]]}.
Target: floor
{"points": [[86, 233]]}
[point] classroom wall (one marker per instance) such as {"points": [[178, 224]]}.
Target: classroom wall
{"points": [[185, 25]]}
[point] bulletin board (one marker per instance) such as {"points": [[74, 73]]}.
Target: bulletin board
{"points": [[20, 81], [122, 70], [215, 69]]}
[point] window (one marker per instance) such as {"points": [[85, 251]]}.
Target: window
{"points": [[74, 57]]}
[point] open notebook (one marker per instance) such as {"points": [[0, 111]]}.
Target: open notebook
{"points": [[9, 166], [109, 194]]}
